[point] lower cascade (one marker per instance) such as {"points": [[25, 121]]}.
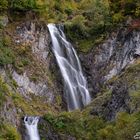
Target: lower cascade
{"points": [[75, 85], [31, 124]]}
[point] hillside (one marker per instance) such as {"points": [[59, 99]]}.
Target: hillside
{"points": [[100, 43]]}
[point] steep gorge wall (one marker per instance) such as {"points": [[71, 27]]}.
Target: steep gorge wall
{"points": [[36, 88], [30, 84], [105, 63]]}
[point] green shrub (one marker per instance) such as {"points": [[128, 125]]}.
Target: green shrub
{"points": [[3, 91], [6, 55], [8, 132], [57, 122], [58, 7], [76, 29], [68, 11], [137, 12], [135, 100], [118, 17], [3, 4], [124, 128], [107, 133], [23, 5], [75, 124]]}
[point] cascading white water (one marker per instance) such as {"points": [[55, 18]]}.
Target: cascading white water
{"points": [[31, 126], [75, 84]]}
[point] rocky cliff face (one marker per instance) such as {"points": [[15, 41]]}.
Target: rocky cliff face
{"points": [[32, 89], [33, 85], [112, 71], [36, 36], [110, 58], [107, 61]]}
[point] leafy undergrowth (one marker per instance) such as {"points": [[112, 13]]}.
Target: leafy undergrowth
{"points": [[83, 126], [35, 106], [8, 132]]}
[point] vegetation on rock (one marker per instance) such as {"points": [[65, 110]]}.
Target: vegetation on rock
{"points": [[8, 132], [87, 23]]}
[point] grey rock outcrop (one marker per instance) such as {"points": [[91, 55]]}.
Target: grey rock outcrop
{"points": [[118, 52], [111, 58], [27, 87]]}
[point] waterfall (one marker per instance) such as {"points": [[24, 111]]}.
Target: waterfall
{"points": [[75, 84], [31, 126]]}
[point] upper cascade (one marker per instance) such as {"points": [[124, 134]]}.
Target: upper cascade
{"points": [[75, 85]]}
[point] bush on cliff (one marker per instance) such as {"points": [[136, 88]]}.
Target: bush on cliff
{"points": [[3, 4], [23, 4], [6, 54], [8, 132]]}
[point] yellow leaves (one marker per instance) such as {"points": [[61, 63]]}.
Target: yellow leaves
{"points": [[118, 17], [40, 2], [3, 4]]}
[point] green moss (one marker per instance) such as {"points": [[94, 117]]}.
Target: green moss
{"points": [[101, 99], [23, 5], [6, 55], [56, 122], [107, 133], [8, 132], [34, 106], [59, 100], [3, 4], [85, 45], [134, 103], [124, 128], [7, 41], [4, 92]]}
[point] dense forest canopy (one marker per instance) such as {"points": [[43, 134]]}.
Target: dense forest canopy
{"points": [[90, 10]]}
